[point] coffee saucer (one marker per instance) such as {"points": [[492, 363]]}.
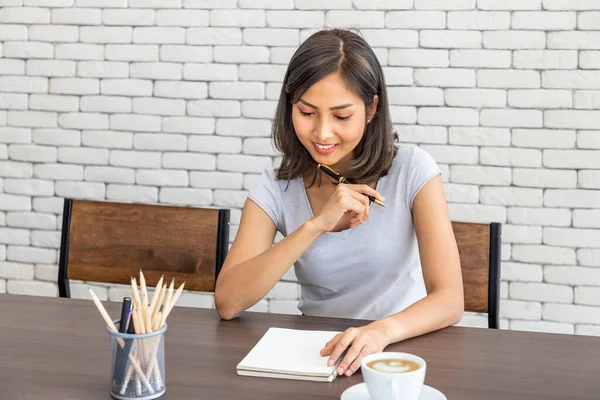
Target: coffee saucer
{"points": [[359, 392]]}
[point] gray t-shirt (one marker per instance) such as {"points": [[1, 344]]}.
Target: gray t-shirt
{"points": [[370, 271]]}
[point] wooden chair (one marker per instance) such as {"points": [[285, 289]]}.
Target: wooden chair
{"points": [[110, 242], [479, 247]]}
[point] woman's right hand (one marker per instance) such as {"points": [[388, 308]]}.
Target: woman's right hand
{"points": [[347, 199]]}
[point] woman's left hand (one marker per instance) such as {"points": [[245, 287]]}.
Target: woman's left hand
{"points": [[363, 341]]}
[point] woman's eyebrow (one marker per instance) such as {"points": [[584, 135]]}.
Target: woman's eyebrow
{"points": [[330, 108]]}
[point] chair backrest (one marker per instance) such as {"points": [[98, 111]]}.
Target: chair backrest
{"points": [[479, 247], [110, 242]]}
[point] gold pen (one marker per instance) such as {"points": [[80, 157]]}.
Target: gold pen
{"points": [[342, 179]]}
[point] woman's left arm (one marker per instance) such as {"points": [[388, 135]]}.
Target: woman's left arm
{"points": [[444, 304]]}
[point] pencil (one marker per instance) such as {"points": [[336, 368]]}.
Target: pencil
{"points": [[340, 179]]}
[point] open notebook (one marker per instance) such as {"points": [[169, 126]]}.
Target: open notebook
{"points": [[289, 354]]}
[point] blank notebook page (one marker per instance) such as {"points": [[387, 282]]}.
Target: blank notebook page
{"points": [[290, 351]]}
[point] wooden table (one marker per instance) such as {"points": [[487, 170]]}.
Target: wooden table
{"points": [[58, 349]]}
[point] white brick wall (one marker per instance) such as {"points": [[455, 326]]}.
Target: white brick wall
{"points": [[171, 101]]}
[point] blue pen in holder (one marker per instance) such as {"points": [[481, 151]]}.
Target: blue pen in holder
{"points": [[137, 363]]}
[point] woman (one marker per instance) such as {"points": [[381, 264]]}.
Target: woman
{"points": [[397, 265]]}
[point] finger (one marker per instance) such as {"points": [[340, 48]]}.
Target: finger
{"points": [[364, 200], [325, 351], [354, 204], [366, 189], [356, 364], [341, 345], [350, 356]]}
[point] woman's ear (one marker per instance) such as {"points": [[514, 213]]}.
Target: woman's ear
{"points": [[373, 109]]}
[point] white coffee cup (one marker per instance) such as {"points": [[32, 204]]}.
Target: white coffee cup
{"points": [[394, 385]]}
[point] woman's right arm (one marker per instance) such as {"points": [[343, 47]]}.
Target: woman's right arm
{"points": [[253, 265]]}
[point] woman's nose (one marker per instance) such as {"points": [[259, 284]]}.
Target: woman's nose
{"points": [[324, 131]]}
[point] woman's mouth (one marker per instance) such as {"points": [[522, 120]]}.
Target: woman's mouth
{"points": [[325, 149]]}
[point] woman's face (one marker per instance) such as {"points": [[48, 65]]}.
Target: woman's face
{"points": [[330, 121]]}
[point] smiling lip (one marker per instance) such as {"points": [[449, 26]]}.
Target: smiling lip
{"points": [[324, 149]]}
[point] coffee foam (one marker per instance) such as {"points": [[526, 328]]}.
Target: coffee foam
{"points": [[391, 366]]}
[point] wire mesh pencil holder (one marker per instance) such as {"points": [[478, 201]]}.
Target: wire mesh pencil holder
{"points": [[137, 365]]}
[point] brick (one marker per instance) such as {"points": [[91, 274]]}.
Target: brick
{"points": [[140, 194], [102, 69], [571, 79], [583, 40], [509, 4], [45, 239], [571, 275], [78, 51], [458, 193], [48, 205], [13, 101], [107, 139], [30, 187], [281, 55], [132, 52], [541, 292], [541, 98], [30, 255], [105, 34], [480, 58], [419, 58], [214, 36], [14, 236], [129, 17], [511, 196], [242, 163], [453, 77], [197, 197], [191, 161], [159, 35], [514, 40], [53, 33], [53, 103], [268, 37], [511, 157], [543, 254], [476, 98], [102, 3], [480, 175], [571, 5], [83, 121], [512, 118], [571, 237], [274, 90], [31, 119], [25, 15], [480, 136], [243, 127], [161, 70], [508, 79], [544, 20], [13, 32], [586, 218], [10, 270], [158, 141], [214, 108], [126, 87], [184, 53], [109, 175], [254, 72], [229, 198], [358, 19], [135, 122], [23, 84], [545, 59], [403, 115], [589, 179], [157, 106], [135, 159], [182, 18], [202, 126], [391, 38], [254, 18], [12, 67], [543, 138], [515, 309], [259, 146], [448, 116], [193, 299], [76, 86], [14, 169], [542, 326], [423, 134], [83, 190], [76, 16], [210, 72], [587, 295], [571, 198], [478, 20], [415, 20], [105, 104], [216, 180], [161, 178], [32, 288], [58, 172], [444, 5], [415, 96], [571, 119], [9, 202], [236, 90], [81, 291], [571, 313], [520, 272], [31, 220], [590, 330], [452, 154], [87, 156], [589, 60], [588, 140], [210, 144], [450, 39], [15, 135], [155, 3], [28, 50], [589, 257], [285, 4], [210, 3], [397, 76], [544, 178], [587, 99], [258, 108], [33, 153]]}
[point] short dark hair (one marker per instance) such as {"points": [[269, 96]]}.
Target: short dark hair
{"points": [[323, 53]]}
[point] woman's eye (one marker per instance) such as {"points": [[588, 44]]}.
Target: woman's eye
{"points": [[304, 113], [344, 118]]}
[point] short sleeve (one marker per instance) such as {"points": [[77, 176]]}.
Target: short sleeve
{"points": [[265, 193], [422, 169]]}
